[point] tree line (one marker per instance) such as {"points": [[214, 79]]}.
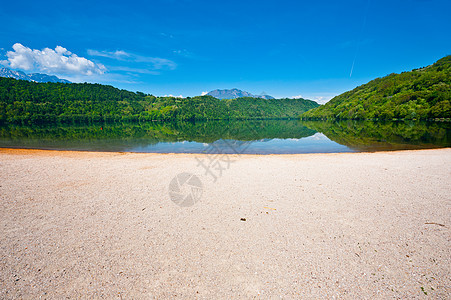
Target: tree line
{"points": [[24, 102]]}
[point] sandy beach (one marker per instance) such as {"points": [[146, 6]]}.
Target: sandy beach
{"points": [[103, 225]]}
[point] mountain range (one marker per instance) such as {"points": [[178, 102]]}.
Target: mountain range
{"points": [[235, 93], [34, 77]]}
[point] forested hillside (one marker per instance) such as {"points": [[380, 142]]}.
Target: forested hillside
{"points": [[24, 102], [419, 94]]}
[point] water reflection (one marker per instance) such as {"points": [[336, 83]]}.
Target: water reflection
{"points": [[384, 136], [262, 137]]}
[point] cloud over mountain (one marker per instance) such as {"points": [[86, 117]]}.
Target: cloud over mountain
{"points": [[56, 61]]}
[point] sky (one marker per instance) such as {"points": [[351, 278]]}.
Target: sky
{"points": [[310, 49]]}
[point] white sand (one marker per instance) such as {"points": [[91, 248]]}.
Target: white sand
{"points": [[360, 225]]}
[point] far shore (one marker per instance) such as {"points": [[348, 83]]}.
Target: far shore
{"points": [[344, 225]]}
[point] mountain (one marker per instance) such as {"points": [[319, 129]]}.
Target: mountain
{"points": [[235, 93], [35, 77], [423, 93]]}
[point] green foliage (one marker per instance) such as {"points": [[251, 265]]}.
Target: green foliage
{"points": [[23, 102], [419, 94]]}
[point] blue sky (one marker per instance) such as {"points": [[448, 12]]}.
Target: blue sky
{"points": [[316, 49]]}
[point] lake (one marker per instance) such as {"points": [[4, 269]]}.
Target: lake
{"points": [[249, 137]]}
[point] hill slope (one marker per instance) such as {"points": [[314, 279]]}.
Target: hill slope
{"points": [[29, 102], [419, 94]]}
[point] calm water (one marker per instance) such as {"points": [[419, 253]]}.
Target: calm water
{"points": [[258, 137]]}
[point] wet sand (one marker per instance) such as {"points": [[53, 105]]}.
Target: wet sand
{"points": [[355, 225]]}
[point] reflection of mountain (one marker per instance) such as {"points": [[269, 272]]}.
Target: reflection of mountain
{"points": [[228, 146], [119, 136], [376, 136], [207, 132]]}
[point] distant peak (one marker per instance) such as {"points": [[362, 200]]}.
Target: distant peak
{"points": [[35, 77], [235, 93]]}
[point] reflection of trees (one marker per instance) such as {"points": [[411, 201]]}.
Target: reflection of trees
{"points": [[136, 134], [359, 135], [371, 136]]}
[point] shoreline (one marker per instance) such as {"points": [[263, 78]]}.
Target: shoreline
{"points": [[62, 152], [344, 225]]}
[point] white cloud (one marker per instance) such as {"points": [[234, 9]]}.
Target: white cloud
{"points": [[58, 61], [170, 95], [167, 35], [158, 63], [321, 99], [118, 54], [153, 63], [318, 99], [204, 93], [134, 70], [185, 53]]}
